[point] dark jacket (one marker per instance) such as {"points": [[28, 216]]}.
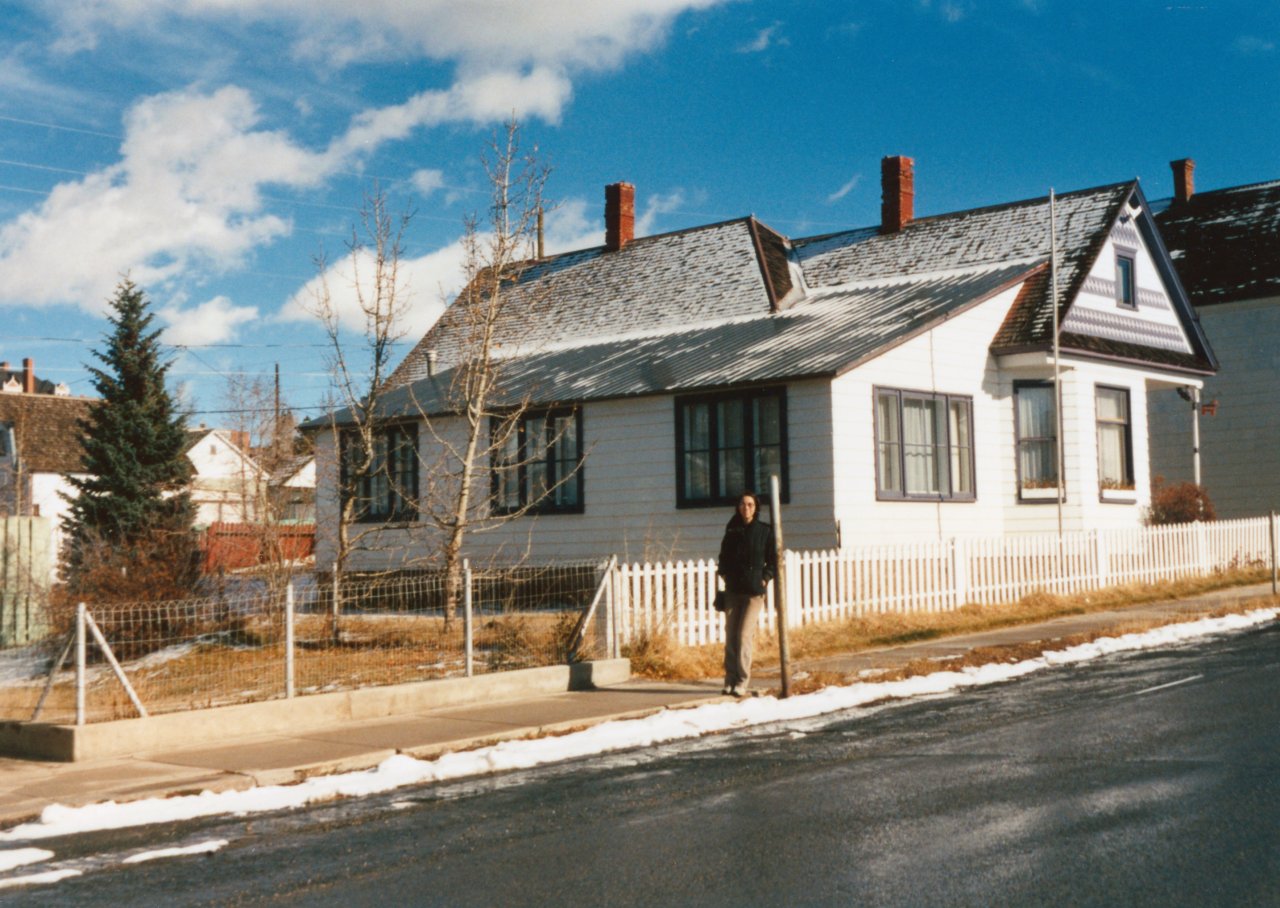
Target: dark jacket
{"points": [[748, 558]]}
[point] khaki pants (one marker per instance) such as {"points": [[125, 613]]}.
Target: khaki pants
{"points": [[740, 619]]}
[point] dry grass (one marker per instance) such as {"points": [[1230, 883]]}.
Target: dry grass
{"points": [[249, 665], [663, 659]]}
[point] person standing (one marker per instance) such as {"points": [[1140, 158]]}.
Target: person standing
{"points": [[748, 561]]}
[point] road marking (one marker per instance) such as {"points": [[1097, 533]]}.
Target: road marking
{"points": [[1147, 690]]}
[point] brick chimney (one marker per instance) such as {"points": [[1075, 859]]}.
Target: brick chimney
{"points": [[619, 215], [897, 193], [28, 376], [1184, 183]]}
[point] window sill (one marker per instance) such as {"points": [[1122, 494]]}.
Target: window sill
{"points": [[1041, 495], [1118, 496]]}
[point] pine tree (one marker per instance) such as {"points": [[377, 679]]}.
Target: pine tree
{"points": [[129, 526]]}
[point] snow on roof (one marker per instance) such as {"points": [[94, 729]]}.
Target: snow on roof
{"points": [[1225, 243], [734, 302], [825, 334]]}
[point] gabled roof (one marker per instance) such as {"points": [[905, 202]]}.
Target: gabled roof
{"points": [[1225, 243], [46, 430], [736, 303], [825, 334], [692, 276]]}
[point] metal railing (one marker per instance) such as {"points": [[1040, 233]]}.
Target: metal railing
{"points": [[312, 635]]}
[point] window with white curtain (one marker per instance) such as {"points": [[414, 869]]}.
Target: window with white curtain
{"points": [[1115, 438], [1036, 423], [924, 445]]}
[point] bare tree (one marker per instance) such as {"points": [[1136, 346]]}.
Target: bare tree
{"points": [[264, 429], [467, 416]]}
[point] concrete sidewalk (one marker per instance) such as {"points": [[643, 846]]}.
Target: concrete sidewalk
{"points": [[28, 786]]}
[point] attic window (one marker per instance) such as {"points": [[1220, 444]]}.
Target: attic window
{"points": [[1126, 292]]}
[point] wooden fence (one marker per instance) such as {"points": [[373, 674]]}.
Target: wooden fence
{"points": [[26, 571], [232, 546], [675, 597]]}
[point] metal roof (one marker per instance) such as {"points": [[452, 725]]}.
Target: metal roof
{"points": [[826, 334]]}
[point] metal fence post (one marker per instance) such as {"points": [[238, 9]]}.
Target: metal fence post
{"points": [[288, 641], [466, 615], [80, 660]]}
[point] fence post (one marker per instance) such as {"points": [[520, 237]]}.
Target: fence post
{"points": [[288, 641], [1102, 559], [466, 616], [960, 571], [80, 659], [1274, 544]]}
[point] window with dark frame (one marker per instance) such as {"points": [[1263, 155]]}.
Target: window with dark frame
{"points": [[1115, 438], [727, 443], [537, 462], [387, 491], [924, 445], [1126, 289], [1036, 425]]}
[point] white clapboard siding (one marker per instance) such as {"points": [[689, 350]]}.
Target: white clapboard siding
{"points": [[675, 597]]}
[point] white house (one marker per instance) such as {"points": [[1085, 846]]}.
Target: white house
{"points": [[898, 378], [1226, 246], [39, 446], [227, 484]]}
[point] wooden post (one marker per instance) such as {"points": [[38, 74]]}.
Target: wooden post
{"points": [[780, 586]]}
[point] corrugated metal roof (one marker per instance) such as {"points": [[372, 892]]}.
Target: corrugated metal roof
{"points": [[827, 333]]}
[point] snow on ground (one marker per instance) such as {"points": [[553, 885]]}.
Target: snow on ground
{"points": [[667, 725], [20, 857], [201, 848]]}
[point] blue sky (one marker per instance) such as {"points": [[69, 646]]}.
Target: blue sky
{"points": [[212, 148]]}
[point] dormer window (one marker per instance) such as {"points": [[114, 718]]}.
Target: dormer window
{"points": [[1126, 291]]}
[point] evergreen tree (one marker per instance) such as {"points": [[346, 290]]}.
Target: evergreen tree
{"points": [[131, 517]]}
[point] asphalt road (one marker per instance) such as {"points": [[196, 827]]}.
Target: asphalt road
{"points": [[1148, 779]]}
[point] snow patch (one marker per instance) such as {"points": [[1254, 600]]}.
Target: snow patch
{"points": [[662, 727]]}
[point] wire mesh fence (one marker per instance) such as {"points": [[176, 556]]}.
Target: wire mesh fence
{"points": [[259, 641]]}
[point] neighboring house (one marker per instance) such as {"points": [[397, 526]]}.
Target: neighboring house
{"points": [[1226, 247], [39, 446], [898, 378], [293, 489], [227, 484]]}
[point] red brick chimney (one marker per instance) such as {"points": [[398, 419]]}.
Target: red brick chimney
{"points": [[1184, 183], [28, 376], [619, 215], [897, 193]]}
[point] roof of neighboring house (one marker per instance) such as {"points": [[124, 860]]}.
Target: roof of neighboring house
{"points": [[736, 303], [46, 430], [1226, 242]]}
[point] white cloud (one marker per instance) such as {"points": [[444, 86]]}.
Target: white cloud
{"points": [[655, 207], [478, 34], [184, 197], [845, 189], [1251, 45], [212, 322], [426, 282], [763, 40], [427, 181]]}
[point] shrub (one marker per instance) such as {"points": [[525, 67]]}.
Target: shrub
{"points": [[1180, 502]]}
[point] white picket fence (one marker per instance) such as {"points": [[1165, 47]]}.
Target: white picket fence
{"points": [[675, 597]]}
